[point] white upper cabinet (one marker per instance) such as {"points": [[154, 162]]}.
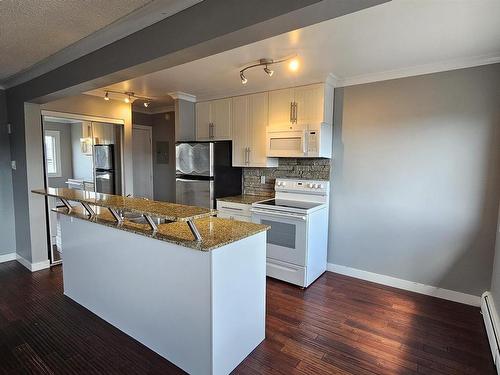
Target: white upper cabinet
{"points": [[303, 105], [213, 120], [240, 131], [250, 116], [280, 106], [203, 127]]}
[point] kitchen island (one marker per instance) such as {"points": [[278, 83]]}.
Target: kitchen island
{"points": [[188, 285]]}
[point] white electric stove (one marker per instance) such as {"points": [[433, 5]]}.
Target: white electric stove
{"points": [[298, 239]]}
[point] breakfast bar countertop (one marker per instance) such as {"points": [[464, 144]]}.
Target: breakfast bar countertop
{"points": [[163, 210], [215, 232]]}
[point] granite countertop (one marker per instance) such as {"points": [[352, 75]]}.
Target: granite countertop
{"points": [[244, 199], [164, 210], [215, 232]]}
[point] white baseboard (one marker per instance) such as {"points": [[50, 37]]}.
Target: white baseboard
{"points": [[491, 322], [412, 286], [7, 257], [33, 267]]}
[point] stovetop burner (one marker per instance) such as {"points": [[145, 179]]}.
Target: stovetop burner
{"points": [[301, 205]]}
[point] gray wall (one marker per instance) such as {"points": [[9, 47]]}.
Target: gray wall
{"points": [[163, 131], [7, 229], [495, 278], [185, 120], [66, 155], [416, 178]]}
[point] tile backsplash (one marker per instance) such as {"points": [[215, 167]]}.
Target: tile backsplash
{"points": [[308, 169]]}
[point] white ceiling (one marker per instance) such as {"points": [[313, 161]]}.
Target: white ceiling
{"points": [[398, 38], [37, 36]]}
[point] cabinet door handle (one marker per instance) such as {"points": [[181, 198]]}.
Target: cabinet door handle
{"points": [[295, 106], [306, 143], [248, 158], [291, 112]]}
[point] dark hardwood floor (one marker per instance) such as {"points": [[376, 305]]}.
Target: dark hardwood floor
{"points": [[339, 325]]}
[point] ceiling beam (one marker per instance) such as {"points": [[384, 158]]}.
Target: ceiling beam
{"points": [[209, 27]]}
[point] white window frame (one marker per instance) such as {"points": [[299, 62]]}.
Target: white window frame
{"points": [[56, 135]]}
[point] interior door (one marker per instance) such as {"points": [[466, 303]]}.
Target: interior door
{"points": [[221, 118], [202, 121], [142, 158], [279, 106], [240, 130]]}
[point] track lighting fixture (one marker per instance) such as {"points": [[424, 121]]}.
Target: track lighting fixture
{"points": [[269, 71], [244, 79], [266, 63], [129, 97]]}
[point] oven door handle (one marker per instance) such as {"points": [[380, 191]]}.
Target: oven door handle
{"points": [[269, 213]]}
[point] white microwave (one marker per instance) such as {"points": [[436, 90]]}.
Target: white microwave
{"points": [[300, 141]]}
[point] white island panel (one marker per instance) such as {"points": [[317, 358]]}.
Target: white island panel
{"points": [[202, 310]]}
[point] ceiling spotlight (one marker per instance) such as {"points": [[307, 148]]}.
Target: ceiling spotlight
{"points": [[244, 79], [127, 99], [106, 96], [293, 65], [269, 72], [146, 104]]}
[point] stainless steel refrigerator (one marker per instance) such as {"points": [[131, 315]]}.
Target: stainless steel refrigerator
{"points": [[204, 172], [104, 169]]}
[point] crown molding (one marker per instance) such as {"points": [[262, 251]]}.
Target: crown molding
{"points": [[182, 95], [141, 18], [332, 79], [418, 70]]}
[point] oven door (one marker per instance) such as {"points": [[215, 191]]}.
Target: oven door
{"points": [[291, 143], [287, 238]]}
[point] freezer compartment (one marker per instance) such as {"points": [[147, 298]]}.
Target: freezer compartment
{"points": [[192, 192], [105, 182], [195, 159]]}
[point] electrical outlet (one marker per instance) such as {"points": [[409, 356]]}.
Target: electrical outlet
{"points": [[262, 179], [13, 165]]}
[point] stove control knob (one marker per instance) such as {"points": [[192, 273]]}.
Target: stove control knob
{"points": [[321, 186], [310, 185], [316, 186]]}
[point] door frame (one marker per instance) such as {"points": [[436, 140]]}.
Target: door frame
{"points": [[150, 130], [72, 116]]}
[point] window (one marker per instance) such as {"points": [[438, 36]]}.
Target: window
{"points": [[53, 153]]}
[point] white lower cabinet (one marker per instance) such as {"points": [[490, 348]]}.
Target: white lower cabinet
{"points": [[234, 211], [249, 122]]}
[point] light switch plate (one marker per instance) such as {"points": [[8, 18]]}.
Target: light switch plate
{"points": [[262, 179]]}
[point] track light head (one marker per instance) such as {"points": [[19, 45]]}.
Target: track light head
{"points": [[269, 72], [106, 96], [244, 79], [146, 104]]}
